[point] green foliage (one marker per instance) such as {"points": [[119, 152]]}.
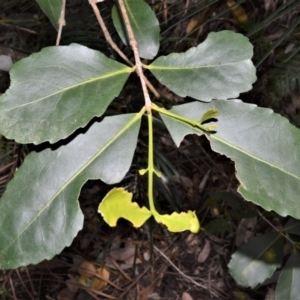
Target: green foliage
{"points": [[65, 88], [220, 68], [52, 9], [144, 24], [61, 89], [288, 287], [39, 209], [257, 143], [257, 260]]}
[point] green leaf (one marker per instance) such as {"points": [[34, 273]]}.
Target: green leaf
{"points": [[39, 211], [263, 145], [288, 287], [177, 222], [52, 9], [117, 204], [58, 90], [257, 260], [219, 68], [144, 24]]}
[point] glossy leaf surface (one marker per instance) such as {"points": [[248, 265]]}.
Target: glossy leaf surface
{"points": [[288, 287], [219, 68], [39, 211], [257, 260], [144, 24], [264, 146], [58, 90], [118, 204], [52, 9]]}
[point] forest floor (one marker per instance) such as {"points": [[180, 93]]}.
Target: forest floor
{"points": [[150, 263]]}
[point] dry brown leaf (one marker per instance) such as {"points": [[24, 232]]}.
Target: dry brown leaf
{"points": [[187, 182], [191, 25], [126, 255], [269, 4], [65, 294], [245, 231], [203, 255], [77, 260], [237, 11], [87, 269], [186, 296], [98, 283], [88, 277], [72, 284], [104, 273], [85, 281]]}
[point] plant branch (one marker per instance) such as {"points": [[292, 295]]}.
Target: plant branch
{"points": [[106, 32], [114, 45], [204, 128], [61, 22], [134, 46]]}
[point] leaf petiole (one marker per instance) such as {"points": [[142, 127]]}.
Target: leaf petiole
{"points": [[151, 169], [212, 113]]}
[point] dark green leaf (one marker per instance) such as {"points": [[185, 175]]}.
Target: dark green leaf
{"points": [[144, 24], [264, 146], [219, 68], [52, 9], [257, 260], [58, 90], [39, 211], [288, 287]]}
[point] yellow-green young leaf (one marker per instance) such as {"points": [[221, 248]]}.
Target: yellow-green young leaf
{"points": [[117, 204], [211, 113], [177, 222]]}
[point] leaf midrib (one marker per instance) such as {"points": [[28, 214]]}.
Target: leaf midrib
{"points": [[230, 145], [129, 11], [215, 137], [127, 70], [151, 67]]}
